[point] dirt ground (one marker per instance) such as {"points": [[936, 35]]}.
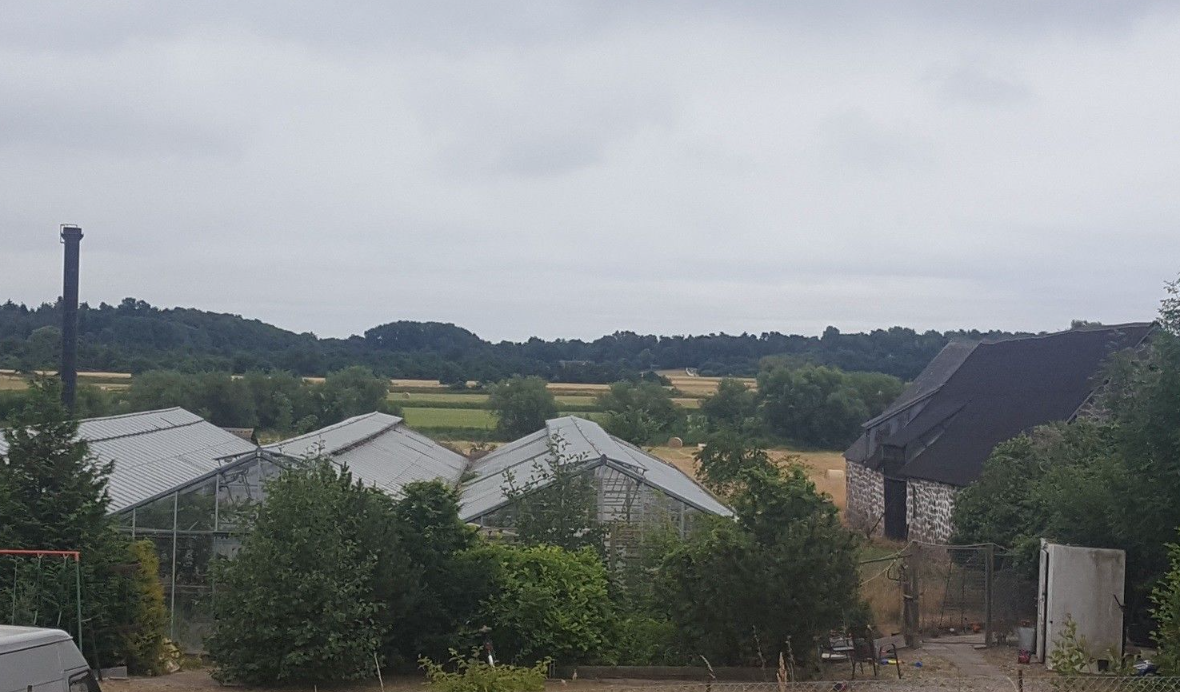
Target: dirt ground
{"points": [[942, 658], [200, 680]]}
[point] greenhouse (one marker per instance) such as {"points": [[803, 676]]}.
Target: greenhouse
{"points": [[186, 485], [633, 487], [201, 519]]}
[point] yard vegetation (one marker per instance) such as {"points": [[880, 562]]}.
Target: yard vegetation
{"points": [[405, 577]]}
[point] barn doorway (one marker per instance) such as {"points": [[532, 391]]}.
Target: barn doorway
{"points": [[895, 505]]}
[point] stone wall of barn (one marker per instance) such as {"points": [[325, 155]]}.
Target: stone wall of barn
{"points": [[928, 510], [865, 495]]}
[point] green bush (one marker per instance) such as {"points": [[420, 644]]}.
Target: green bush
{"points": [[784, 573], [474, 675], [317, 587], [1166, 598], [146, 645], [644, 640], [544, 602]]}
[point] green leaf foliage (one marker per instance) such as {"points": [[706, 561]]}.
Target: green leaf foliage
{"points": [[785, 571], [726, 459], [522, 405], [641, 413], [475, 675], [145, 640], [733, 407], [1166, 601], [53, 496], [556, 504], [544, 602], [434, 538], [318, 583]]}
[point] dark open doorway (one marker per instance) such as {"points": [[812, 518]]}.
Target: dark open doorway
{"points": [[895, 502]]}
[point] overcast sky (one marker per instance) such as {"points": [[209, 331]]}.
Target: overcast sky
{"points": [[571, 169]]}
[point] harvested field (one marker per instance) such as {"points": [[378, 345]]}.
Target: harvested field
{"points": [[826, 469], [11, 380], [13, 383], [698, 387]]}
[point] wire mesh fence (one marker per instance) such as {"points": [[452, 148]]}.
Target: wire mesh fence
{"points": [[998, 683], [963, 590]]}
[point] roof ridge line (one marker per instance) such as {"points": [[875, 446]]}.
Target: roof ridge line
{"points": [[135, 413], [176, 426], [334, 426]]}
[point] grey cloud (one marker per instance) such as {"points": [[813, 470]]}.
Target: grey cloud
{"points": [[568, 169], [972, 84]]}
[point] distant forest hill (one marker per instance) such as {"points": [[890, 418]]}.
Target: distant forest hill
{"points": [[134, 336]]}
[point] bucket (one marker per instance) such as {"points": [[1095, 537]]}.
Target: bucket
{"points": [[1026, 638]]}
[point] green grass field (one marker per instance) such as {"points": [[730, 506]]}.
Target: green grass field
{"points": [[426, 418]]}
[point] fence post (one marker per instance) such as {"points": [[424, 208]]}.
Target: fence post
{"points": [[1020, 680], [909, 595], [989, 574]]}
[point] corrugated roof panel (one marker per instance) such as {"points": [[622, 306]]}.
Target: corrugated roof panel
{"points": [[155, 451], [380, 451], [581, 439]]}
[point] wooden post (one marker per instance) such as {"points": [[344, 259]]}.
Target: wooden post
{"points": [[910, 599], [989, 574]]}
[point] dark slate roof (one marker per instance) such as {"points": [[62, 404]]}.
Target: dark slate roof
{"points": [[1004, 388], [923, 387], [930, 379]]}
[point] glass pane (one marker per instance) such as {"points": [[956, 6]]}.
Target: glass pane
{"points": [[238, 490], [163, 545], [195, 507], [193, 618], [155, 515], [193, 555], [125, 520]]}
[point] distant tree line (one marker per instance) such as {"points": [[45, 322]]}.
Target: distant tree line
{"points": [[134, 336], [277, 402], [797, 404]]}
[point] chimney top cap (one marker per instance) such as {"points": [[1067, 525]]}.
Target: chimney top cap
{"points": [[69, 230]]}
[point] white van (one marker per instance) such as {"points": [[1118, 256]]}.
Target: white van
{"points": [[42, 660]]}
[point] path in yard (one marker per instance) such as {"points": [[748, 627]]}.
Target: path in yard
{"points": [[960, 651]]}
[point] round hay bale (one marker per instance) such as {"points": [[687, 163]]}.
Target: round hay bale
{"points": [[836, 474], [405, 395], [675, 443]]}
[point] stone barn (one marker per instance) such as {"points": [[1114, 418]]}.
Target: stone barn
{"points": [[909, 463]]}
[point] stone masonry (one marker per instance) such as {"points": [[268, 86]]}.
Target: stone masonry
{"points": [[928, 510], [865, 493]]}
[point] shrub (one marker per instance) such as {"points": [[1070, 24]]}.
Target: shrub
{"points": [[1166, 598], [784, 573], [145, 645], [474, 675], [545, 602], [316, 588]]}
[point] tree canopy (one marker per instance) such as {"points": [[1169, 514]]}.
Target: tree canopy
{"points": [[522, 405], [135, 336]]}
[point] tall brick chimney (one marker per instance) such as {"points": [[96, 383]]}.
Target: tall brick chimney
{"points": [[71, 238]]}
